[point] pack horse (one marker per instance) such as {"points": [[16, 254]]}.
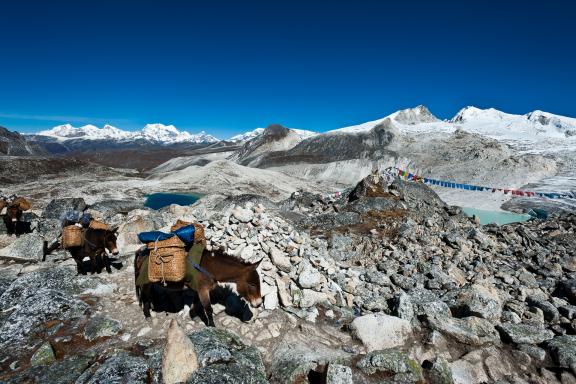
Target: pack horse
{"points": [[203, 270]]}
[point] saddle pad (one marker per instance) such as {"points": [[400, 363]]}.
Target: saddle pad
{"points": [[194, 257]]}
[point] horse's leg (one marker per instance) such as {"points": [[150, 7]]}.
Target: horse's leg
{"points": [[93, 263], [76, 255], [106, 262], [145, 298], [204, 296], [195, 307]]}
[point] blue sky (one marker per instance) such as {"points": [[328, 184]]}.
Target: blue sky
{"points": [[230, 66]]}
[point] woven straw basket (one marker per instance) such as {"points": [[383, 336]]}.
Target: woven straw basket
{"points": [[173, 242], [71, 236], [95, 224], [167, 264], [179, 224], [199, 236], [22, 203]]}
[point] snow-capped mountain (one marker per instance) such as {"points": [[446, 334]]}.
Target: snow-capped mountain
{"points": [[535, 126], [244, 137], [154, 133], [410, 116]]}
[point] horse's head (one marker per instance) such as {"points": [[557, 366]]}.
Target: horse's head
{"points": [[110, 241], [249, 287], [14, 212]]}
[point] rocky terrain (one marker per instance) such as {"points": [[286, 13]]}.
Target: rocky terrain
{"points": [[382, 283]]}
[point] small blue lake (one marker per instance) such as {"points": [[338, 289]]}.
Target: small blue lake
{"points": [[496, 217], [160, 200]]}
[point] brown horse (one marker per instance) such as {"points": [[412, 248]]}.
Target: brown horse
{"points": [[96, 243], [215, 267], [14, 226]]}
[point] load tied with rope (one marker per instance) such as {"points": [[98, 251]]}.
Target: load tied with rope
{"points": [[172, 257]]}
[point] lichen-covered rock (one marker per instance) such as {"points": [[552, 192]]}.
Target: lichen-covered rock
{"points": [[380, 331], [219, 346], [227, 374], [119, 369], [35, 308], [64, 371], [58, 207], [563, 350], [524, 333], [62, 279], [394, 362], [28, 247], [292, 361], [43, 355], [100, 326], [481, 301], [440, 373], [469, 330], [338, 374]]}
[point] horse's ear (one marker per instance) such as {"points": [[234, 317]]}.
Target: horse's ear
{"points": [[256, 264], [114, 230]]}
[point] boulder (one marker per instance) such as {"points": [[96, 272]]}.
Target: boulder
{"points": [[49, 229], [391, 362], [101, 326], [338, 374], [310, 298], [380, 331], [468, 371], [36, 308], [179, 360], [309, 277], [481, 301], [27, 248], [524, 333], [43, 355], [440, 372], [63, 371], [118, 369], [223, 358], [403, 307], [566, 289], [292, 360], [469, 330], [563, 350], [62, 279], [58, 207], [549, 310], [243, 215], [279, 259]]}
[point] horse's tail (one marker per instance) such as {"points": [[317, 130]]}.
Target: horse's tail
{"points": [[137, 267]]}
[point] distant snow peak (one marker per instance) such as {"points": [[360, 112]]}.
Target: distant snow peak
{"points": [[247, 136], [411, 116], [156, 133]]}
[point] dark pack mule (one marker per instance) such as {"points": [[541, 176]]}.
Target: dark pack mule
{"points": [[96, 243], [14, 226], [217, 267]]}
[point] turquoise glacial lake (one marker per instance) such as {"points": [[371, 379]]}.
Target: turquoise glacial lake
{"points": [[160, 200], [496, 217]]}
